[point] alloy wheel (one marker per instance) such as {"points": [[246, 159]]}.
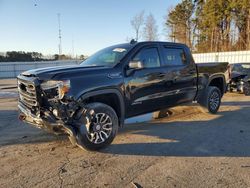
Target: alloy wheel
{"points": [[100, 128], [214, 100]]}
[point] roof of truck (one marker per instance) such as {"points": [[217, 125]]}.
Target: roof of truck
{"points": [[157, 42]]}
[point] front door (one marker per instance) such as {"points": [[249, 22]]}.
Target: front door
{"points": [[144, 87]]}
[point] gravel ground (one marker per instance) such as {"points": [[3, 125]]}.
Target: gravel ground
{"points": [[190, 148]]}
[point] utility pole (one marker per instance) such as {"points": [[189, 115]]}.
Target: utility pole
{"points": [[73, 49], [60, 37]]}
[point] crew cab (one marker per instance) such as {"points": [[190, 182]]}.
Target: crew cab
{"points": [[90, 102]]}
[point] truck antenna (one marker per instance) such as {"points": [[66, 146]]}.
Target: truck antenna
{"points": [[133, 41]]}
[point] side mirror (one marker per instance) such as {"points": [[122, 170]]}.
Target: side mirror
{"points": [[135, 65]]}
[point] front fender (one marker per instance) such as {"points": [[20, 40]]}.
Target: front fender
{"points": [[107, 91]]}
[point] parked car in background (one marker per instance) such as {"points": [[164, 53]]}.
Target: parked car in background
{"points": [[240, 72]]}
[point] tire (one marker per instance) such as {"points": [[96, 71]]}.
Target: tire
{"points": [[99, 132], [246, 88], [212, 99], [230, 88]]}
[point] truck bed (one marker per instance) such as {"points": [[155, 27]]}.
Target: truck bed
{"points": [[213, 67], [208, 71]]}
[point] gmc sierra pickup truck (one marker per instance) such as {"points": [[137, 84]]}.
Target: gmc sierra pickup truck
{"points": [[90, 102]]}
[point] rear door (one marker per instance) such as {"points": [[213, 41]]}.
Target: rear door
{"points": [[180, 74]]}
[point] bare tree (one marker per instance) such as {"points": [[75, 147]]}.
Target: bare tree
{"points": [[150, 29], [137, 23]]}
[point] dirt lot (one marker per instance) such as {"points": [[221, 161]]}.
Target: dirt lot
{"points": [[188, 149]]}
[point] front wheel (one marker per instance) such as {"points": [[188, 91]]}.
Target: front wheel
{"points": [[212, 99], [100, 130]]}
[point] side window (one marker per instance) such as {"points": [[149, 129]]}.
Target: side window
{"points": [[174, 56], [149, 57]]}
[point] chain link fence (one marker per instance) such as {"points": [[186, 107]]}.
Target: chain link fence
{"points": [[13, 69]]}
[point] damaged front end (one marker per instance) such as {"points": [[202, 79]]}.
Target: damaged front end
{"points": [[237, 82], [46, 106]]}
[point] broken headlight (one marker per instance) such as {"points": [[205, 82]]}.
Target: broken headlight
{"points": [[61, 86]]}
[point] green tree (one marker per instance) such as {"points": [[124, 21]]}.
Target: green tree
{"points": [[2, 58], [241, 16], [211, 25], [214, 26], [83, 57], [180, 22]]}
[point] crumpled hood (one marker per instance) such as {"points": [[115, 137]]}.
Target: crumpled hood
{"points": [[50, 72], [235, 75]]}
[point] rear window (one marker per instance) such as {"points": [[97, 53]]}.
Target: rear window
{"points": [[174, 56]]}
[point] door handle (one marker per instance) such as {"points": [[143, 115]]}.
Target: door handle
{"points": [[161, 75], [192, 71]]}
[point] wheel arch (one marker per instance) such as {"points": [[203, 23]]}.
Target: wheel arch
{"points": [[111, 97], [219, 81]]}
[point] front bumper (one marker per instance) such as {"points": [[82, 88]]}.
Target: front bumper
{"points": [[37, 110], [26, 115], [47, 122]]}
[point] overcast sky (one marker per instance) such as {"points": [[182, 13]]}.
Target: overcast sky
{"points": [[87, 26]]}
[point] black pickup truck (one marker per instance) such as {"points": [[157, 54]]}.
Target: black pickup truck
{"points": [[89, 102]]}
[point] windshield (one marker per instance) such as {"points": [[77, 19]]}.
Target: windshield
{"points": [[107, 57]]}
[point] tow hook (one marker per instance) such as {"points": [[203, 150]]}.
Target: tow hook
{"points": [[22, 117]]}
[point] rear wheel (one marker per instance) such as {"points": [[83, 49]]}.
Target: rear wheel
{"points": [[100, 130], [212, 99], [246, 88]]}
